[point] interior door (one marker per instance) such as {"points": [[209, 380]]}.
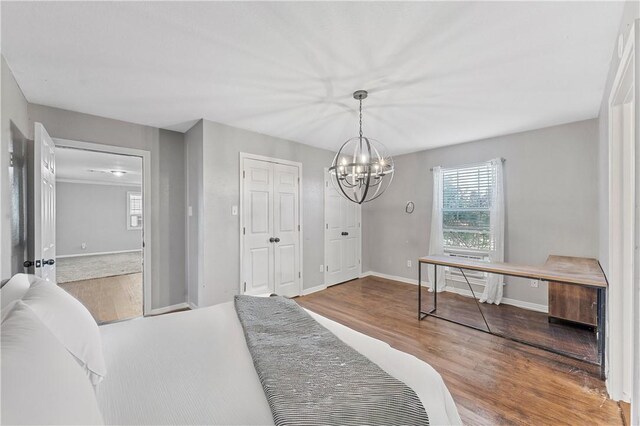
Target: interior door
{"points": [[286, 230], [342, 237], [44, 204], [257, 222]]}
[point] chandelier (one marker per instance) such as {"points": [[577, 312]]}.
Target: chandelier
{"points": [[362, 169]]}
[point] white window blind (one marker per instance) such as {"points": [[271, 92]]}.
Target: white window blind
{"points": [[466, 203], [134, 210]]}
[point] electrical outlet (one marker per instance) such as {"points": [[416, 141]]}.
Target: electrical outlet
{"points": [[408, 264], [321, 268], [534, 283], [234, 210], [84, 246]]}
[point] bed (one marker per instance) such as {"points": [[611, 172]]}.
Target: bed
{"points": [[194, 368]]}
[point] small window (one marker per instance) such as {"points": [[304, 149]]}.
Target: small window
{"points": [[134, 210]]}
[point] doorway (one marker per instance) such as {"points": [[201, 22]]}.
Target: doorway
{"points": [[101, 213], [624, 228], [270, 226], [342, 236]]}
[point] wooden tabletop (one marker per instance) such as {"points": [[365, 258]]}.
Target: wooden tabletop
{"points": [[564, 269]]}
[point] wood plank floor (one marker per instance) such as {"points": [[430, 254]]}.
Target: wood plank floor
{"points": [[512, 321], [110, 298], [492, 380]]}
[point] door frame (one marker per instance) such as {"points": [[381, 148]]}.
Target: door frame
{"points": [[325, 230], [621, 162], [248, 156], [146, 197]]}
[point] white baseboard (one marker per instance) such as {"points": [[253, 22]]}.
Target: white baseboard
{"points": [[171, 308], [192, 305], [317, 288], [464, 292], [96, 254]]}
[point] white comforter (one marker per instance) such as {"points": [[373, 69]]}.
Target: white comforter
{"points": [[194, 368]]}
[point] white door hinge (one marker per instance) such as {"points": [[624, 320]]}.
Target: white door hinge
{"points": [[299, 274], [244, 174], [11, 160], [244, 231]]}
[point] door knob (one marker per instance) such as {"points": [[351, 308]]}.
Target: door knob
{"points": [[48, 262], [277, 240], [272, 240], [30, 263], [345, 233]]}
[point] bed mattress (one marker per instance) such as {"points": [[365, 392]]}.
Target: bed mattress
{"points": [[194, 367]]}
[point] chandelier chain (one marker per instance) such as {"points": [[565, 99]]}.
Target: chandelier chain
{"points": [[360, 118]]}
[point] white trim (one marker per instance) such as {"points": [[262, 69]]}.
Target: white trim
{"points": [[147, 237], [167, 309], [192, 305], [95, 182], [619, 362], [248, 156], [101, 253], [315, 289], [513, 302]]}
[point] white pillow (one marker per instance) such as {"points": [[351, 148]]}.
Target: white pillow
{"points": [[71, 323], [14, 289], [41, 381]]}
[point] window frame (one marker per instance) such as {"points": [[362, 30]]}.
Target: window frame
{"points": [[453, 274], [129, 214]]}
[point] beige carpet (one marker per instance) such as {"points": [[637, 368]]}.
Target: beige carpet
{"points": [[111, 298], [79, 268]]}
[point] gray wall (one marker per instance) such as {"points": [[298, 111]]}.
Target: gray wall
{"points": [[13, 109], [630, 13], [95, 215], [551, 201], [167, 228], [193, 145], [221, 153]]}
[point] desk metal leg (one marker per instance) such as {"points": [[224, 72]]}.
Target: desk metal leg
{"points": [[419, 290], [602, 300], [435, 287]]}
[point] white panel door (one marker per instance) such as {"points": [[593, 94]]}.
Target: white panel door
{"points": [[258, 263], [286, 230], [44, 204], [342, 237]]}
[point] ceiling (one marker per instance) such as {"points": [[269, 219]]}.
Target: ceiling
{"points": [[438, 73], [95, 167]]}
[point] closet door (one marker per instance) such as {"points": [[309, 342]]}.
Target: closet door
{"points": [[286, 230], [257, 212], [342, 237]]}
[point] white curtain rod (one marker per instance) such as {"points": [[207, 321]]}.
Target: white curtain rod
{"points": [[471, 164]]}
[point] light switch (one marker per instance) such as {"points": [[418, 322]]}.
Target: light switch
{"points": [[234, 210]]}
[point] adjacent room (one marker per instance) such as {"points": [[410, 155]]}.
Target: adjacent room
{"points": [[320, 213], [99, 231]]}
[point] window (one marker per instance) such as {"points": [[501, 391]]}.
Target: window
{"points": [[134, 210], [466, 203]]}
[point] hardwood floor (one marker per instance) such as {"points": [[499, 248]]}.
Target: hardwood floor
{"points": [[492, 380], [512, 321], [110, 298]]}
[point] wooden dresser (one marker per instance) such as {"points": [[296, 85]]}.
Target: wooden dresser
{"points": [[573, 303]]}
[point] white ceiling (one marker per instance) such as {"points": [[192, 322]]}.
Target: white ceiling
{"points": [[95, 167], [438, 73]]}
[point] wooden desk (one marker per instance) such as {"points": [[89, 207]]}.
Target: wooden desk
{"points": [[560, 269]]}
